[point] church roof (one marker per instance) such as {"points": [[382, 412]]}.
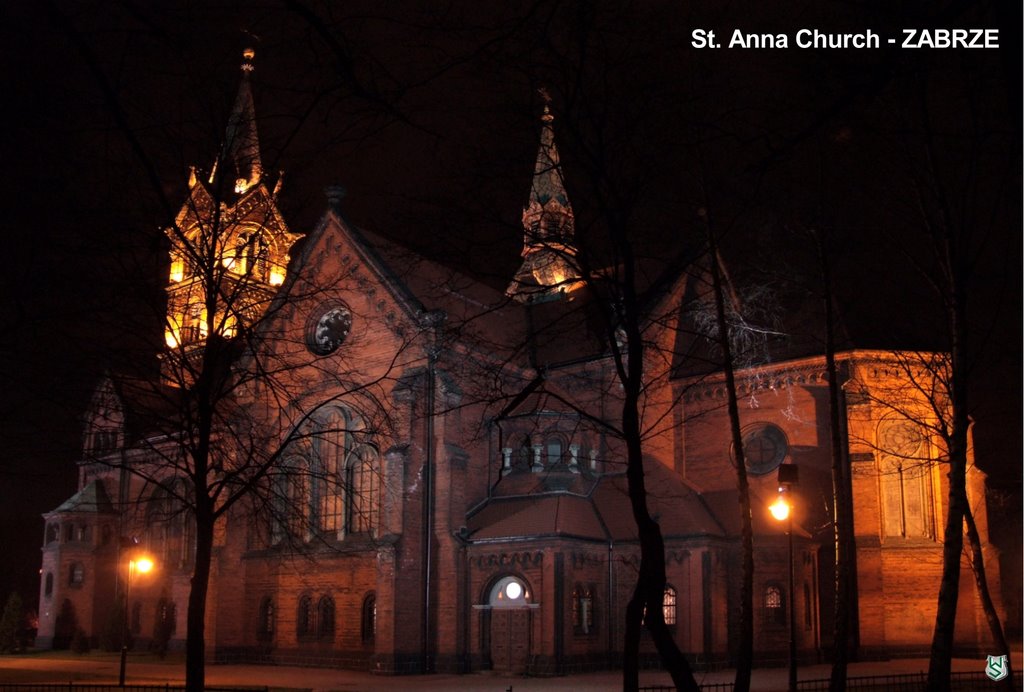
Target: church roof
{"points": [[149, 406], [592, 508], [92, 499], [548, 185]]}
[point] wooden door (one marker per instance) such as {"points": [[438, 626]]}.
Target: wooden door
{"points": [[510, 640]]}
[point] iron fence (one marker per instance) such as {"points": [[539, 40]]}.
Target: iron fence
{"points": [[87, 687], [908, 682]]}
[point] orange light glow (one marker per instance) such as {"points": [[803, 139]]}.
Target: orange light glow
{"points": [[143, 565], [177, 270], [780, 508]]}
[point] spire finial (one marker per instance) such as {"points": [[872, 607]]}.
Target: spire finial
{"points": [[247, 57]]}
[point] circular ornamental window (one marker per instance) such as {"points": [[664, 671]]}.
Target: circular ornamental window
{"points": [[764, 448], [328, 329]]}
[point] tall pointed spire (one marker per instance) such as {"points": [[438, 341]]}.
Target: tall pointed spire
{"points": [[548, 215], [549, 266], [242, 144]]}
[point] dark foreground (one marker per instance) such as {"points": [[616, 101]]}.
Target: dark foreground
{"points": [[98, 668]]}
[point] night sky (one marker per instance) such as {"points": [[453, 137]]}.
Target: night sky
{"points": [[427, 114]]}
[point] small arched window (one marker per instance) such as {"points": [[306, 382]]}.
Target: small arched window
{"points": [[774, 611], [48, 585], [52, 533], [369, 619], [265, 624], [325, 618], [77, 574], [668, 605], [582, 610], [554, 448], [305, 620], [524, 454]]}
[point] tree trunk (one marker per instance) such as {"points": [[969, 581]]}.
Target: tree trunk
{"points": [[649, 594], [842, 526], [195, 641], [981, 581], [745, 648]]}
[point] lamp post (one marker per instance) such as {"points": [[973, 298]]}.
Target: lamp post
{"points": [[142, 565], [782, 509]]}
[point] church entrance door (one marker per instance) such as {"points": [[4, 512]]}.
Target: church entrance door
{"points": [[511, 614], [510, 639]]}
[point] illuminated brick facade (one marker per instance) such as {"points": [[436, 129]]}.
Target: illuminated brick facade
{"points": [[480, 519]]}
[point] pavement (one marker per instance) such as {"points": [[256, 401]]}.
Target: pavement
{"points": [[99, 668]]}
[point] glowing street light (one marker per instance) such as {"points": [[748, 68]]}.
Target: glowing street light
{"points": [[141, 565], [782, 510]]}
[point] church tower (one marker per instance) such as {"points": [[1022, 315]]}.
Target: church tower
{"points": [[549, 268], [229, 245]]}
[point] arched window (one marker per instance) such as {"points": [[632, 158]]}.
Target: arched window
{"points": [[668, 605], [344, 492], [582, 610], [362, 484], [287, 506], [774, 610], [48, 585], [524, 454], [332, 447], [76, 576], [553, 449], [369, 618], [52, 533], [305, 619], [266, 618], [325, 618], [509, 592]]}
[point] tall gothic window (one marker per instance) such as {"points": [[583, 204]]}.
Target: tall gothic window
{"points": [[332, 442], [904, 470], [347, 492], [289, 488], [362, 485]]}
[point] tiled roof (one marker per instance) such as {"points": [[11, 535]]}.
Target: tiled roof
{"points": [[92, 499], [555, 514], [601, 511]]}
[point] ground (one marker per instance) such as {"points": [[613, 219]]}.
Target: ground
{"points": [[63, 667]]}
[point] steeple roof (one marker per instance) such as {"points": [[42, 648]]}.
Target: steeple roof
{"points": [[241, 143], [549, 266], [547, 184]]}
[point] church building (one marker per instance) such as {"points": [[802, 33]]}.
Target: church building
{"points": [[419, 472]]}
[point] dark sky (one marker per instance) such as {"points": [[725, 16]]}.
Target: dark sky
{"points": [[427, 113]]}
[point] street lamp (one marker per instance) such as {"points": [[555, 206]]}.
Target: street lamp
{"points": [[142, 565], [782, 510]]}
